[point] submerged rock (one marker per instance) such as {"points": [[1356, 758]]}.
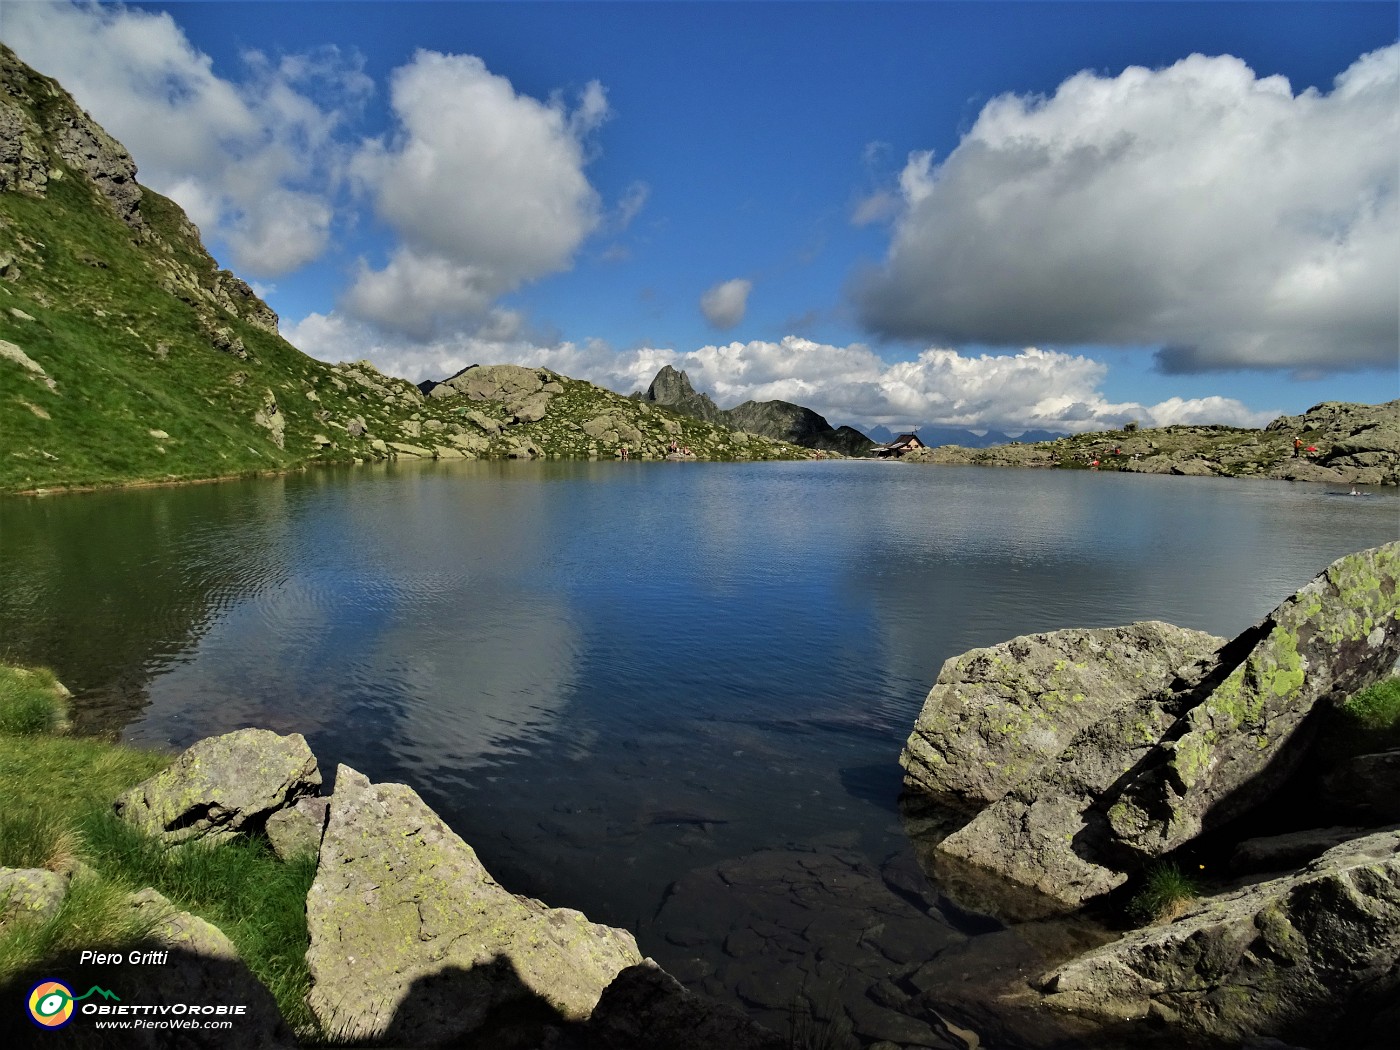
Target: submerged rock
{"points": [[414, 943], [645, 1008], [223, 786], [1299, 957]]}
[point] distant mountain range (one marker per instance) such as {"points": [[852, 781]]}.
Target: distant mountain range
{"points": [[935, 436], [781, 420]]}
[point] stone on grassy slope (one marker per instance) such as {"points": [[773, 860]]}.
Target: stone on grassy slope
{"points": [[1336, 636], [30, 893], [223, 786], [995, 716], [1293, 957], [413, 941]]}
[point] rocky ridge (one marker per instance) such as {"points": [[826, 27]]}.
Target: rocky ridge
{"points": [[780, 420], [1355, 445]]}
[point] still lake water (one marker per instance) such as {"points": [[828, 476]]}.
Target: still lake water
{"points": [[606, 675]]}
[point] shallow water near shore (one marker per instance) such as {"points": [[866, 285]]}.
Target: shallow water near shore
{"points": [[672, 696]]}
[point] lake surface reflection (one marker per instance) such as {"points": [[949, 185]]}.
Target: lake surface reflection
{"points": [[614, 679]]}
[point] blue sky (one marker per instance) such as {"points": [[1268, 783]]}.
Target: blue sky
{"points": [[981, 214]]}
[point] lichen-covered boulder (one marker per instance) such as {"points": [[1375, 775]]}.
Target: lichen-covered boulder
{"points": [[1152, 774], [30, 893], [1300, 957], [1334, 637], [508, 383], [995, 716], [223, 786], [1047, 833], [414, 943]]}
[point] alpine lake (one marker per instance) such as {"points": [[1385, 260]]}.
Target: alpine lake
{"points": [[671, 695]]}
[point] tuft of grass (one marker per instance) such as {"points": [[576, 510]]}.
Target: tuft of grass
{"points": [[30, 839], [31, 701], [1165, 894], [1368, 721], [1377, 708], [240, 887]]}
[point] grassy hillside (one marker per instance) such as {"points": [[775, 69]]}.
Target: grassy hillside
{"points": [[127, 355]]}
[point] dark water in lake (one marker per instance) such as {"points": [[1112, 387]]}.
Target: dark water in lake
{"points": [[607, 676]]}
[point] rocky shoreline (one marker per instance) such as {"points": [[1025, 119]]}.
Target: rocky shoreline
{"points": [[1338, 443], [1089, 757]]}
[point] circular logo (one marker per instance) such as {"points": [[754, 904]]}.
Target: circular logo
{"points": [[51, 1004]]}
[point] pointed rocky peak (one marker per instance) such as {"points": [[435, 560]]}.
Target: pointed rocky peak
{"points": [[670, 387]]}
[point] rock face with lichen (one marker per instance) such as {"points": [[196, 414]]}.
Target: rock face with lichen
{"points": [[223, 786], [995, 716], [1158, 769], [413, 942], [1297, 957], [1333, 638]]}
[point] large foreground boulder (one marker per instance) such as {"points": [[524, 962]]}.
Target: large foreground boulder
{"points": [[1296, 957], [414, 943], [223, 786], [995, 716], [1157, 770]]}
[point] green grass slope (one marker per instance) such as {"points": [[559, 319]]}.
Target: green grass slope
{"points": [[127, 355]]}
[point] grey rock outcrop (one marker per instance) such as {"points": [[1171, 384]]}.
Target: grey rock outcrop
{"points": [[780, 420], [1336, 636], [30, 893], [1161, 768], [223, 786], [996, 715], [202, 966], [671, 389], [402, 912], [1290, 850], [506, 383], [1291, 957], [296, 831]]}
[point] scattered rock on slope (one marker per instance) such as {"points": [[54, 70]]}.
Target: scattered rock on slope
{"points": [[223, 786]]}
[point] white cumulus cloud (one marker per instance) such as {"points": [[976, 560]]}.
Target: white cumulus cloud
{"points": [[1201, 208], [247, 160], [725, 303], [484, 187]]}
